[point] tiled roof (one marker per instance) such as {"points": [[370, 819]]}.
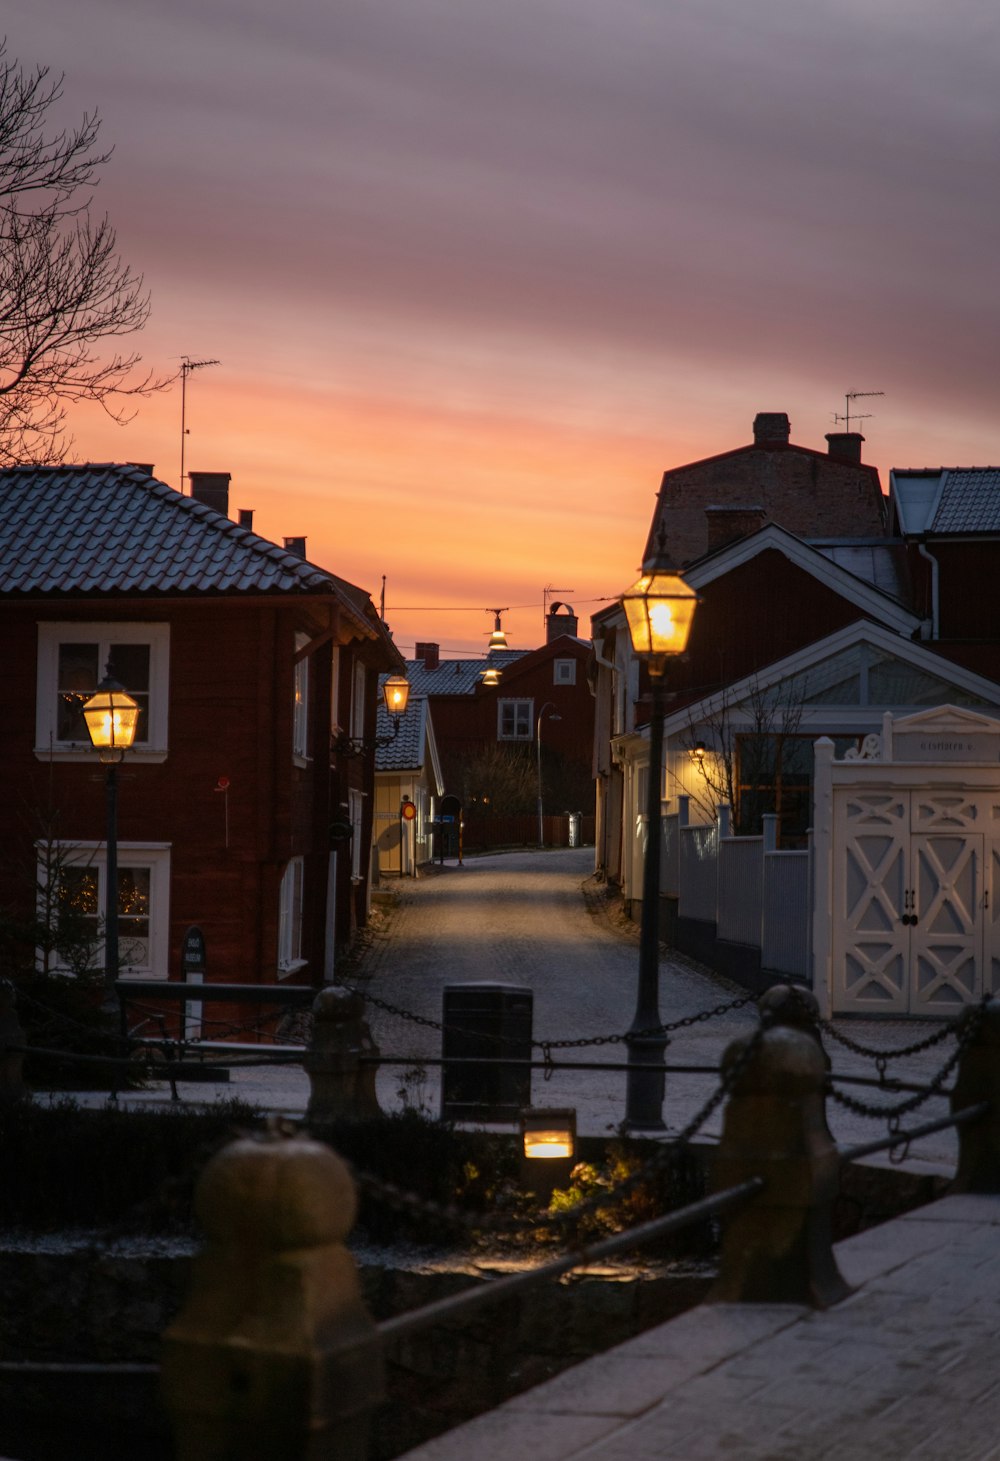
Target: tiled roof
{"points": [[882, 564], [969, 501], [107, 530], [457, 676], [407, 750]]}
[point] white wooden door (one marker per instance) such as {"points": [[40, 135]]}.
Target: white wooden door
{"points": [[912, 930], [871, 878]]}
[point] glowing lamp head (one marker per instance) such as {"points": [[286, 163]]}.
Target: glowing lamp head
{"points": [[396, 693], [491, 676], [659, 609], [498, 639], [112, 718]]}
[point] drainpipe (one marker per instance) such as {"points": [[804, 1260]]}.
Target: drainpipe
{"points": [[935, 574]]}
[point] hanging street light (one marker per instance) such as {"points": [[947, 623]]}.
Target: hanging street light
{"points": [[112, 718], [498, 639], [659, 609]]}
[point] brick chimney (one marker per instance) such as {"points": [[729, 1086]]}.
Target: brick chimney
{"points": [[560, 623], [430, 654], [212, 489], [845, 446], [771, 428], [728, 523], [296, 546]]}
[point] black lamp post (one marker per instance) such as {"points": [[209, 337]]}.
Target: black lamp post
{"points": [[112, 717], [659, 609]]}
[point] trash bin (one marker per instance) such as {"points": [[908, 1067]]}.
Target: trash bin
{"points": [[486, 1020], [574, 829]]}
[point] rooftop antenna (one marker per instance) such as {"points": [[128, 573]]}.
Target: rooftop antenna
{"points": [[850, 396], [187, 365], [547, 593], [381, 601]]}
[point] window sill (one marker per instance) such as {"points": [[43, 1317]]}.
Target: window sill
{"points": [[83, 755], [285, 971]]}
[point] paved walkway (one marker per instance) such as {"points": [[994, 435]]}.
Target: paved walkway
{"points": [[904, 1368], [525, 918]]}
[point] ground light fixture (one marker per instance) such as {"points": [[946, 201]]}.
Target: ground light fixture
{"points": [[112, 718], [659, 609], [548, 1149]]}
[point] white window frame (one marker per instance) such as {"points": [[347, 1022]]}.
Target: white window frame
{"points": [[152, 855], [564, 672], [51, 635], [290, 905], [520, 704], [300, 704]]}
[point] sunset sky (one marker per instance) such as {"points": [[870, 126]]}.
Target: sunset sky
{"points": [[477, 271]]}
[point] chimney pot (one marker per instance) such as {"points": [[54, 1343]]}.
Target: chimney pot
{"points": [[560, 623], [211, 489], [245, 517], [845, 445], [771, 428], [296, 546]]}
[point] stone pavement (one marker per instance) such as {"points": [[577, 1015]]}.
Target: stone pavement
{"points": [[906, 1367]]}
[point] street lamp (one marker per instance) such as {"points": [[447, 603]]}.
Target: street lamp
{"points": [[549, 705], [112, 717], [659, 609], [396, 694]]}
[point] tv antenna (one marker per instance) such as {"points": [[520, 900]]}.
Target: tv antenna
{"points": [[187, 365], [850, 396]]}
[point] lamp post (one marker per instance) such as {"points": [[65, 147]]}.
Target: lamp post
{"points": [[659, 609], [111, 716], [549, 704]]}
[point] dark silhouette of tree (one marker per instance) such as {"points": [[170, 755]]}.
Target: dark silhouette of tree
{"points": [[64, 291]]}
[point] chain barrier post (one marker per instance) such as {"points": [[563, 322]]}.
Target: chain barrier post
{"points": [[340, 1085], [779, 1248], [12, 1042], [274, 1353], [796, 1008], [978, 1079]]}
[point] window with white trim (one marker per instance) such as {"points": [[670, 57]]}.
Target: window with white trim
{"points": [[300, 712], [73, 659], [290, 917], [564, 672], [358, 702], [80, 902], [514, 720]]}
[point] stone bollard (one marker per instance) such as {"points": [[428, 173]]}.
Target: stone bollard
{"points": [[274, 1354], [778, 1249], [796, 1007], [340, 1084], [12, 1041], [978, 1079]]}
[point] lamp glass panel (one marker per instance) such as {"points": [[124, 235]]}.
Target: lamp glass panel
{"points": [[659, 609], [557, 1142], [396, 693], [112, 717]]}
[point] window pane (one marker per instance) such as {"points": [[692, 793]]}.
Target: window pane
{"points": [[78, 890], [133, 916], [77, 679], [130, 664]]}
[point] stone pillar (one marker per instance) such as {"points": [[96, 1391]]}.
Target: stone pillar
{"points": [[274, 1354], [12, 1041], [978, 1080], [778, 1248], [341, 1085]]}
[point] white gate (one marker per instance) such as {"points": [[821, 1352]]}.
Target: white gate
{"points": [[909, 931], [907, 857]]}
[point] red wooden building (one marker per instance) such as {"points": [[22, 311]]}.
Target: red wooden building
{"points": [[244, 807]]}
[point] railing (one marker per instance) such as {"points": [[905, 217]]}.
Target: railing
{"points": [[275, 1346]]}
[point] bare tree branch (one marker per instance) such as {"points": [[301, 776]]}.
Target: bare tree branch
{"points": [[64, 291]]}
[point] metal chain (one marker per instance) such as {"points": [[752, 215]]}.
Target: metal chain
{"points": [[969, 1030], [450, 1216], [685, 1022], [951, 1028]]}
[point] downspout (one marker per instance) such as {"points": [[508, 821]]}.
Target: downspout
{"points": [[935, 574]]}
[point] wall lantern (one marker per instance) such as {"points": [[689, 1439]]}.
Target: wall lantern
{"points": [[112, 718], [396, 693], [548, 1148], [698, 754]]}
